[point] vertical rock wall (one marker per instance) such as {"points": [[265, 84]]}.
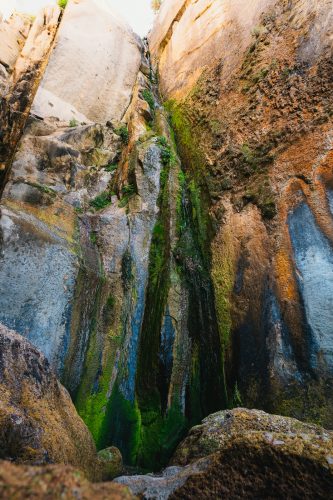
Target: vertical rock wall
{"points": [[251, 106]]}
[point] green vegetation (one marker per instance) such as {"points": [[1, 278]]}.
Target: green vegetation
{"points": [[127, 192], [73, 123], [236, 398], [62, 3], [123, 133], [101, 201], [112, 167], [93, 237], [149, 98], [43, 188], [167, 155]]}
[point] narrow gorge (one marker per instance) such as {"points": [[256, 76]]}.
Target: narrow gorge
{"points": [[166, 252]]}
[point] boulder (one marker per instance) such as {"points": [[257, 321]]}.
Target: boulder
{"points": [[51, 482], [38, 421], [13, 34], [244, 453]]}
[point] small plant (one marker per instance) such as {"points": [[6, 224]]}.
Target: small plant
{"points": [[122, 131], [167, 155], [110, 303], [101, 201], [128, 190], [161, 140], [62, 3], [112, 167], [149, 98], [73, 123], [93, 237], [236, 397]]}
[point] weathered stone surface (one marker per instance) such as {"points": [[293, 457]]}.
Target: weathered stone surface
{"points": [[51, 482], [93, 67], [57, 172], [13, 34], [39, 41], [189, 35], [245, 454], [253, 126], [38, 421], [16, 101]]}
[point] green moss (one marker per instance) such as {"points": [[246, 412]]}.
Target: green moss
{"points": [[122, 426], [190, 152], [62, 4], [149, 98], [160, 434], [73, 122], [112, 167], [93, 237], [123, 133], [91, 399], [101, 201]]}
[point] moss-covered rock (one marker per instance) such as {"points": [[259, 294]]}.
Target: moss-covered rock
{"points": [[50, 482], [38, 421], [244, 453]]}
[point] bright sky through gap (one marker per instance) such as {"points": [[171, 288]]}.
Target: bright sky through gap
{"points": [[137, 13]]}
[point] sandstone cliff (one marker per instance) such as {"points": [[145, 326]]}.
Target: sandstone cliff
{"points": [[172, 261], [249, 88]]}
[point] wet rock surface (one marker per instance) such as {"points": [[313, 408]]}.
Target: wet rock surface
{"points": [[253, 130]]}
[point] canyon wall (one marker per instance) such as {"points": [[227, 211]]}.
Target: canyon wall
{"points": [[89, 236], [164, 285], [249, 89]]}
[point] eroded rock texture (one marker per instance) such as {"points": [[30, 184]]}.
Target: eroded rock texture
{"points": [[245, 453], [253, 125], [54, 481], [163, 287], [24, 53], [38, 421]]}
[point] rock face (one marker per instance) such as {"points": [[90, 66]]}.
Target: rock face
{"points": [[13, 34], [57, 171], [54, 481], [38, 421], [245, 453], [164, 287], [106, 50], [25, 64], [253, 126], [190, 35]]}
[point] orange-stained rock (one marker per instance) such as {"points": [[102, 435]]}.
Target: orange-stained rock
{"points": [[251, 103]]}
